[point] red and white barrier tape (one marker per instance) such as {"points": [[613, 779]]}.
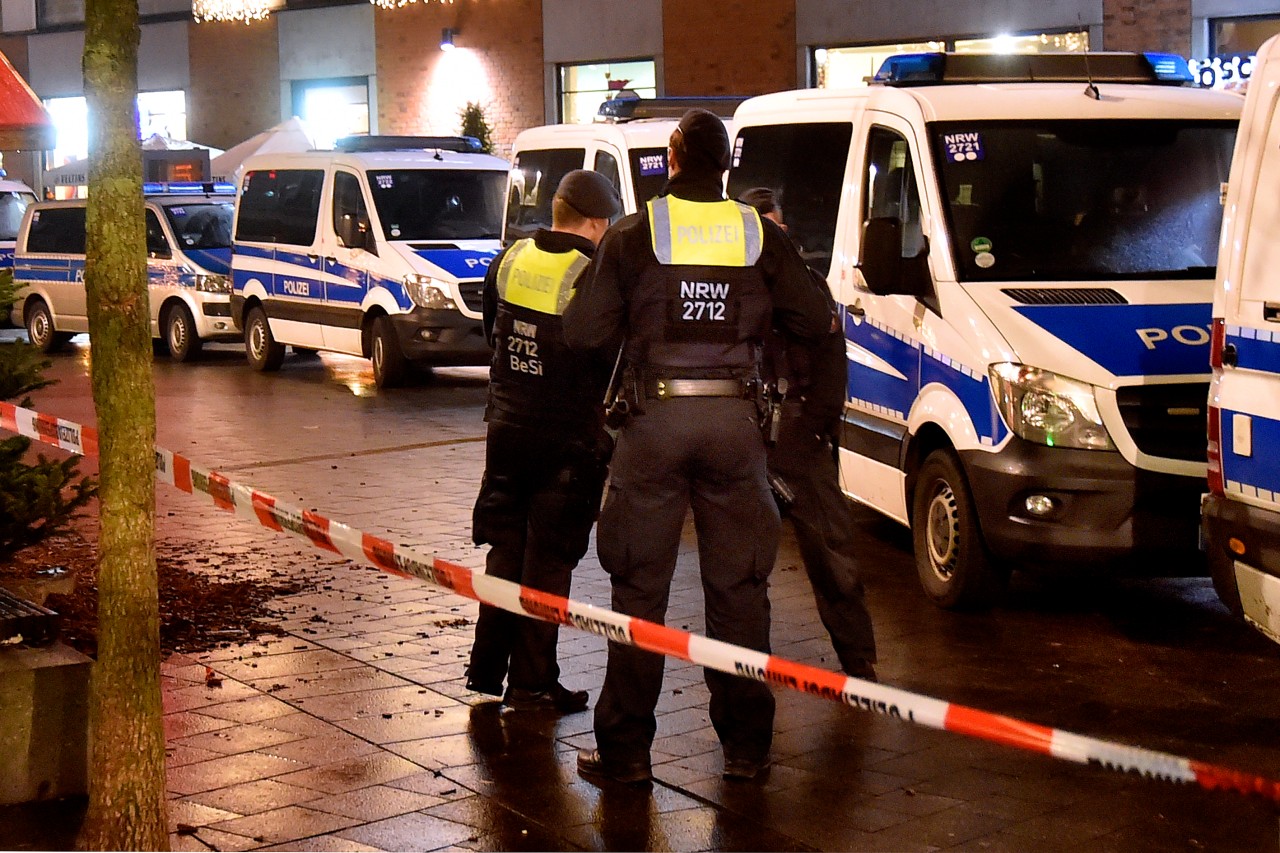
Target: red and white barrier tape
{"points": [[356, 545]]}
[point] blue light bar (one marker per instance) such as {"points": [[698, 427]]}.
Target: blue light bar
{"points": [[911, 68], [186, 188], [1170, 67]]}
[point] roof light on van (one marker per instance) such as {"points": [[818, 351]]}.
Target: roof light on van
{"points": [[924, 69], [1170, 67], [186, 187]]}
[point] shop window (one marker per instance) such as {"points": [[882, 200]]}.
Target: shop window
{"points": [[333, 108], [162, 113], [1233, 36], [584, 87], [59, 13], [842, 67]]}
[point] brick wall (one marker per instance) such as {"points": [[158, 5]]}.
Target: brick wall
{"points": [[235, 81], [1161, 25], [736, 47], [498, 63]]}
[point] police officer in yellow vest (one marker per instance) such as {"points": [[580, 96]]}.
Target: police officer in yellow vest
{"points": [[693, 284], [545, 457]]}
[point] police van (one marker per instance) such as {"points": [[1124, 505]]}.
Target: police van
{"points": [[1242, 510], [377, 249], [627, 144], [1023, 248], [188, 228]]}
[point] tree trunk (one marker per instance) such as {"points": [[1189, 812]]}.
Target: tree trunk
{"points": [[126, 763]]}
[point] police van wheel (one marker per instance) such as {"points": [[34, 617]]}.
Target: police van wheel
{"points": [[180, 334], [951, 559], [390, 367], [40, 331], [263, 351]]}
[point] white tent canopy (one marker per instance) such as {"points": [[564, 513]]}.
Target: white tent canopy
{"points": [[288, 136]]}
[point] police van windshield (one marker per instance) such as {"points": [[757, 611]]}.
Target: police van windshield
{"points": [[648, 172], [206, 225], [12, 206], [439, 204], [1083, 200]]}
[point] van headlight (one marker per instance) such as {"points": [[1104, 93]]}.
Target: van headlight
{"points": [[211, 283], [1049, 409], [425, 292]]}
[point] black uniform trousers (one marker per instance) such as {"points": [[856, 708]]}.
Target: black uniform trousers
{"points": [[538, 499], [824, 528], [706, 452]]}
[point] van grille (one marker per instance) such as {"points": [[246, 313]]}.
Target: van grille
{"points": [[1168, 421], [471, 294], [1065, 296]]}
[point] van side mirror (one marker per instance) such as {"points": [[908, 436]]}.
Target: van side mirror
{"points": [[354, 232], [885, 270]]}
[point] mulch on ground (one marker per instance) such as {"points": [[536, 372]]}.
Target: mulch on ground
{"points": [[207, 601]]}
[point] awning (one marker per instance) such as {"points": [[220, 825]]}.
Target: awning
{"points": [[24, 125]]}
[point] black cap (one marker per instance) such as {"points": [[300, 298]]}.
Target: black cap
{"points": [[706, 142], [590, 193]]}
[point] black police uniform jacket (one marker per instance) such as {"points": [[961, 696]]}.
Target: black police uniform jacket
{"points": [[536, 381]]}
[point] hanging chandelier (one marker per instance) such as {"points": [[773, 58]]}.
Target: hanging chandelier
{"points": [[400, 4], [246, 11]]}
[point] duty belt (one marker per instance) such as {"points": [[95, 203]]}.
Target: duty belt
{"points": [[664, 388]]}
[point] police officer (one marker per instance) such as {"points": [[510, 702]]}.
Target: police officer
{"points": [[693, 284], [803, 462], [546, 456]]}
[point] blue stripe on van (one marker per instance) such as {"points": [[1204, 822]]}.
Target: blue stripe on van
{"points": [[1256, 349], [48, 269], [1132, 340], [6, 258], [214, 260], [459, 263], [1261, 470], [307, 273], [921, 367]]}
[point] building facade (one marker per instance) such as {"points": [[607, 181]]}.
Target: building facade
{"points": [[353, 67]]}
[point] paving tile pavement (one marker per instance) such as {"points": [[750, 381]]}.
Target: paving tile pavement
{"points": [[353, 730]]}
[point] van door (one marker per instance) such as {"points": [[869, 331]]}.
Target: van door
{"points": [[162, 270], [346, 263], [885, 333], [535, 174], [278, 244], [1248, 389], [53, 263]]}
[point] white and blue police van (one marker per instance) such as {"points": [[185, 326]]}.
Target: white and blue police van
{"points": [[1023, 248], [1241, 518], [188, 228], [377, 249], [627, 144]]}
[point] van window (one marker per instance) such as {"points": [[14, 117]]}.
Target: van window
{"points": [[280, 206], [12, 206], [648, 172], [57, 230], [534, 178], [607, 165], [203, 225], [891, 191], [1083, 200], [348, 200], [805, 165], [157, 243], [438, 204]]}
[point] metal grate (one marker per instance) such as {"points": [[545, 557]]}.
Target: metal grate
{"points": [[471, 292], [36, 625], [1169, 421], [1065, 295]]}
